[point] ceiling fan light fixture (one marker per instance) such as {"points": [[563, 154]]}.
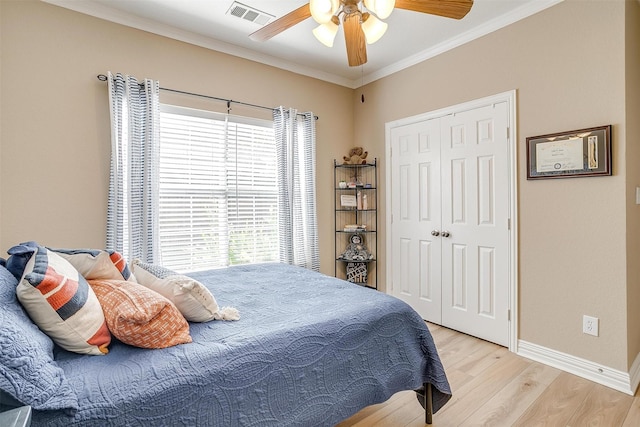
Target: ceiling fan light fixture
{"points": [[326, 33], [323, 10], [373, 29], [382, 8], [361, 20]]}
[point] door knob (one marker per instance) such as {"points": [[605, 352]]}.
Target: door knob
{"points": [[445, 234], [435, 233]]}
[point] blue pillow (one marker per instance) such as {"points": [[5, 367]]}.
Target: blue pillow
{"points": [[20, 256], [28, 372]]}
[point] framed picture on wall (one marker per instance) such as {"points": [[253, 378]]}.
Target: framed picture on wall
{"points": [[578, 153]]}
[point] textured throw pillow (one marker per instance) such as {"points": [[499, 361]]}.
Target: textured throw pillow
{"points": [[140, 317], [28, 372], [193, 299], [97, 264], [60, 301]]}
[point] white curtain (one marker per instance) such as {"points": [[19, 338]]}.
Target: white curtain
{"points": [[132, 212], [296, 154]]}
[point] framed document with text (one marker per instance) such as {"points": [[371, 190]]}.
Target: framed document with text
{"points": [[583, 152]]}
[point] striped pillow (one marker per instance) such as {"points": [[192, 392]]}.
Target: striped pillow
{"points": [[122, 266], [139, 316], [59, 300], [97, 264]]}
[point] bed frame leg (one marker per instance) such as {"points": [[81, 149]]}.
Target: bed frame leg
{"points": [[428, 404]]}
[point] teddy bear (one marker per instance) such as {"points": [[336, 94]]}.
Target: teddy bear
{"points": [[356, 156]]}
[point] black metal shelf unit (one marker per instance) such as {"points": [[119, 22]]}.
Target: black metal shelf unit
{"points": [[356, 214]]}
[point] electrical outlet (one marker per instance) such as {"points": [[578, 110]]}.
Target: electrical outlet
{"points": [[590, 325]]}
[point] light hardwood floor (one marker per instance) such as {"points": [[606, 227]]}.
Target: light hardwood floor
{"points": [[493, 387]]}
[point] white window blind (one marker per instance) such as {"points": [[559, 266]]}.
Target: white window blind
{"points": [[218, 191]]}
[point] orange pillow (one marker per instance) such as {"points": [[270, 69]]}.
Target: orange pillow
{"points": [[139, 316]]}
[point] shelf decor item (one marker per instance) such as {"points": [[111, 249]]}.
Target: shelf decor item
{"points": [[356, 250], [357, 256], [357, 272], [357, 156], [348, 201]]}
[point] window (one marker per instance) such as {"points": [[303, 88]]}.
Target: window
{"points": [[218, 196]]}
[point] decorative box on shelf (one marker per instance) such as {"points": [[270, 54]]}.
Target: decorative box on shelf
{"points": [[357, 272]]}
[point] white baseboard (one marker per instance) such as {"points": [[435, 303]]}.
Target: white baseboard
{"points": [[634, 373], [626, 382]]}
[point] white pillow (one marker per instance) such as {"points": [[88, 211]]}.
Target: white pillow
{"points": [[192, 298]]}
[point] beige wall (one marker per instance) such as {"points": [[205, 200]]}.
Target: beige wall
{"points": [[572, 250], [55, 128], [0, 120], [632, 80]]}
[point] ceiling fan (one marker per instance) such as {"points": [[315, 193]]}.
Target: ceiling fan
{"points": [[362, 23]]}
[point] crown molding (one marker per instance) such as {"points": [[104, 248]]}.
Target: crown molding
{"points": [[97, 10], [495, 24]]}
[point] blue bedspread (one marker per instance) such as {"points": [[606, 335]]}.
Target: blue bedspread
{"points": [[308, 350]]}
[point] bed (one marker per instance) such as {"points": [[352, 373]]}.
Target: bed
{"points": [[308, 350]]}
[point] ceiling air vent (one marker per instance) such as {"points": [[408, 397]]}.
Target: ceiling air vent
{"points": [[247, 13]]}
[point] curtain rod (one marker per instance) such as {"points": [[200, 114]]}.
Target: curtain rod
{"points": [[103, 78]]}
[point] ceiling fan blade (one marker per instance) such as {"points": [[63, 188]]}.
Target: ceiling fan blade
{"points": [[354, 37], [281, 24], [455, 9]]}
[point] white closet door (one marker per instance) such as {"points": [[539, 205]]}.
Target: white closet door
{"points": [[415, 214], [475, 210]]}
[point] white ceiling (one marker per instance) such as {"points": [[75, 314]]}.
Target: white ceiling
{"points": [[411, 37]]}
